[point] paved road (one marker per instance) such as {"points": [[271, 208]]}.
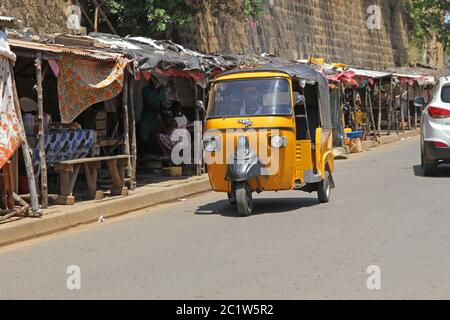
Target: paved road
{"points": [[383, 213]]}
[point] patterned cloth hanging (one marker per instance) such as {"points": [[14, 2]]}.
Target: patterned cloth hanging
{"points": [[11, 131], [83, 83]]}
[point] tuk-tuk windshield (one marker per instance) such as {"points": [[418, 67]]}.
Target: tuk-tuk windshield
{"points": [[251, 97]]}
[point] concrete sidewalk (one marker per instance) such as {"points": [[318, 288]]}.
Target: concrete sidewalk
{"points": [[59, 218], [385, 139]]}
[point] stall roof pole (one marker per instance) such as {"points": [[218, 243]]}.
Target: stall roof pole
{"points": [[133, 135], [379, 108], [391, 93], [407, 106], [415, 109], [402, 111], [126, 128], [26, 154], [198, 137], [43, 165]]}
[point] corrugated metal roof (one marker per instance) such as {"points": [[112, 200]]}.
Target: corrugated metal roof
{"points": [[56, 48]]}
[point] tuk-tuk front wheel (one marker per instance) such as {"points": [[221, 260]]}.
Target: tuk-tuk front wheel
{"points": [[244, 199], [232, 197], [324, 188]]}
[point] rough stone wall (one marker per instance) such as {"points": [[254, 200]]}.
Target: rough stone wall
{"points": [[294, 29], [42, 16]]}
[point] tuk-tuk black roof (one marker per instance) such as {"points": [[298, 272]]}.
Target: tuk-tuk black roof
{"points": [[300, 72]]}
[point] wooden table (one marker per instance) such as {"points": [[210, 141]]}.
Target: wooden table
{"points": [[68, 172]]}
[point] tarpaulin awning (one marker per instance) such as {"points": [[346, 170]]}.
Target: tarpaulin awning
{"points": [[83, 83], [11, 131], [370, 73]]}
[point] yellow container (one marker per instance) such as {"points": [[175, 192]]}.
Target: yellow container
{"points": [[346, 140], [172, 171]]}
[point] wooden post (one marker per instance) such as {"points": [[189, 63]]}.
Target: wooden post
{"points": [[408, 112], [391, 93], [395, 111], [198, 137], [43, 164], [133, 135], [126, 128], [369, 98], [402, 111], [96, 18], [415, 109], [26, 152], [379, 108]]}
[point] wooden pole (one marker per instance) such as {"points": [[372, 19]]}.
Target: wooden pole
{"points": [[415, 109], [369, 98], [133, 134], [402, 111], [395, 111], [126, 128], [105, 17], [391, 94], [43, 164], [379, 108], [26, 152], [408, 112], [198, 137], [96, 18]]}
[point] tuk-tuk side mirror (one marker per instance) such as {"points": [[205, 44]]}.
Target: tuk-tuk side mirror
{"points": [[419, 101], [200, 106]]}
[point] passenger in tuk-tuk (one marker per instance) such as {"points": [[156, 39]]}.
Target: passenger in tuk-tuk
{"points": [[251, 104]]}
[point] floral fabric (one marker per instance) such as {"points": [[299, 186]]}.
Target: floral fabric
{"points": [[82, 83], [11, 131]]}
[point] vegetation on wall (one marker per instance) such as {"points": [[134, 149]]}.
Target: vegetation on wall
{"points": [[152, 16], [431, 20]]}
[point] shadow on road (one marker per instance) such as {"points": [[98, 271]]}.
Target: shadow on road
{"points": [[442, 171], [260, 206]]}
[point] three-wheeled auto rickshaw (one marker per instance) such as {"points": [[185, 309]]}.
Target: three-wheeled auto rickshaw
{"points": [[269, 129]]}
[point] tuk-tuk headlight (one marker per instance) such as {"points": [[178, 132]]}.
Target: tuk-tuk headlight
{"points": [[278, 142], [212, 144]]}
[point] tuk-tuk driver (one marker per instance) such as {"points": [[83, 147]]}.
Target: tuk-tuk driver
{"points": [[251, 102]]}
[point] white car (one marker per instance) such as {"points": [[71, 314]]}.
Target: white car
{"points": [[435, 128]]}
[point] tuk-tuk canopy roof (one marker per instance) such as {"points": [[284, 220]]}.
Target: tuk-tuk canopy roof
{"points": [[304, 72]]}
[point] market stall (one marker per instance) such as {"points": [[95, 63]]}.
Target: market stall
{"points": [[65, 95]]}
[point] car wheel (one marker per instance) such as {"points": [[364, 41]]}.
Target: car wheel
{"points": [[429, 167]]}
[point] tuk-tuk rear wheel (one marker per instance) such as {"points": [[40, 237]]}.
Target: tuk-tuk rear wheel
{"points": [[244, 199], [324, 188]]}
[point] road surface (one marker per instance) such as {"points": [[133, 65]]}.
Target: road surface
{"points": [[383, 213]]}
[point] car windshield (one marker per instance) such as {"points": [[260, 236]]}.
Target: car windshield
{"points": [[251, 97], [445, 95]]}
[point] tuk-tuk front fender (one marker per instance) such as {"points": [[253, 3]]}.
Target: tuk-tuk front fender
{"points": [[243, 169]]}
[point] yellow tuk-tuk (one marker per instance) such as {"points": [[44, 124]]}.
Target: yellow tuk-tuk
{"points": [[269, 129]]}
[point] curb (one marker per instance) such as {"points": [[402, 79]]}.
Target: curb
{"points": [[26, 229], [389, 139]]}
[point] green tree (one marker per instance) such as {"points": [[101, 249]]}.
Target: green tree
{"points": [[431, 19], [144, 17]]}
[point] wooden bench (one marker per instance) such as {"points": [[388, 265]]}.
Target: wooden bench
{"points": [[68, 172]]}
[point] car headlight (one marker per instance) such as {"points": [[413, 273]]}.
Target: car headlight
{"points": [[278, 142], [212, 144]]}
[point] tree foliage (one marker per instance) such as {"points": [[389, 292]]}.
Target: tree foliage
{"points": [[431, 17], [150, 16]]}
